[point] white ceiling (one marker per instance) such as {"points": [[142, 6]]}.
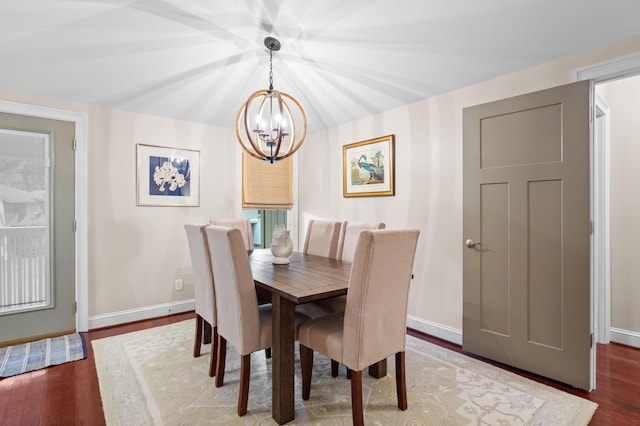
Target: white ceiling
{"points": [[198, 60]]}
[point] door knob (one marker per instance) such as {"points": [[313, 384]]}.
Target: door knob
{"points": [[471, 244]]}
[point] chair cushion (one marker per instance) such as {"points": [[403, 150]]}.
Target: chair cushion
{"points": [[324, 334], [325, 306], [266, 324]]}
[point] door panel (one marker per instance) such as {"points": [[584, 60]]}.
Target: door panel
{"points": [[59, 317], [542, 125], [526, 285], [495, 271], [545, 263]]}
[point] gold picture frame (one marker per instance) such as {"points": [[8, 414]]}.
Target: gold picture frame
{"points": [[167, 176], [368, 168]]}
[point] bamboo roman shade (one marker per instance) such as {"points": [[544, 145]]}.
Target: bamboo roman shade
{"points": [[266, 186]]}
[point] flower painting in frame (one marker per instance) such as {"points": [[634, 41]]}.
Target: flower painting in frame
{"points": [[167, 176], [368, 168]]}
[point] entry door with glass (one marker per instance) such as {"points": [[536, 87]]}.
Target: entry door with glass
{"points": [[37, 212]]}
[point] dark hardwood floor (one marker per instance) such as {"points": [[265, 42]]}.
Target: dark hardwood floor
{"points": [[68, 394]]}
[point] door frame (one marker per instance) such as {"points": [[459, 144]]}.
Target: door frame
{"points": [[618, 68], [80, 120], [601, 247]]}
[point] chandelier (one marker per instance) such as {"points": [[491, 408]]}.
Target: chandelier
{"points": [[271, 125]]}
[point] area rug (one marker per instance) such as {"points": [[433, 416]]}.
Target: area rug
{"points": [[151, 377], [43, 353]]}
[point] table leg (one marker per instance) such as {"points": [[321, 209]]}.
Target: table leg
{"points": [[283, 360], [379, 369], [207, 333]]}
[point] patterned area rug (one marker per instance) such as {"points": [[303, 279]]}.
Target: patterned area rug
{"points": [[32, 356], [151, 377]]}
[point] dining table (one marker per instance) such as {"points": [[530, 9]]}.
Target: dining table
{"points": [[306, 278]]}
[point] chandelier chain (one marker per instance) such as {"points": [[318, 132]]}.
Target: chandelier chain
{"points": [[270, 70]]}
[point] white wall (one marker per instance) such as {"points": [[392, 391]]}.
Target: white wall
{"points": [[428, 179], [135, 253], [623, 99]]}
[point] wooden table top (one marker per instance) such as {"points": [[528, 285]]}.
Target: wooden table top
{"points": [[305, 279]]}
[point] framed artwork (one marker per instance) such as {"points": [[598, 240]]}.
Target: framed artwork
{"points": [[167, 176], [368, 168]]}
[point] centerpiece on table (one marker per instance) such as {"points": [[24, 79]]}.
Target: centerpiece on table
{"points": [[281, 245]]}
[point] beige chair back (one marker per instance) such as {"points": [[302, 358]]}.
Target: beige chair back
{"points": [[322, 238], [238, 317], [375, 319], [244, 225], [202, 273], [349, 233]]}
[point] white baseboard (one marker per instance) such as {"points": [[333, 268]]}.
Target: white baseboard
{"points": [[625, 337], [440, 331], [148, 312], [434, 329]]}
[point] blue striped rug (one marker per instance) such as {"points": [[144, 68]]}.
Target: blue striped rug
{"points": [[32, 356]]}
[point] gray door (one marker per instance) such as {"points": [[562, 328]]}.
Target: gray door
{"points": [[526, 224], [271, 218], [46, 205]]}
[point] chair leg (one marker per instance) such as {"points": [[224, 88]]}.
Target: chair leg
{"points": [[214, 351], [356, 398], [222, 357], [334, 368], [267, 353], [401, 381], [306, 365], [198, 340], [243, 393]]}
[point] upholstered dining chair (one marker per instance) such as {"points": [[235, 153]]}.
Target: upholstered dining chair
{"points": [[244, 225], [204, 292], [241, 322], [322, 238], [349, 233], [374, 323]]}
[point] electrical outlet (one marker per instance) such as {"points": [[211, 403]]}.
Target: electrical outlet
{"points": [[178, 284]]}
